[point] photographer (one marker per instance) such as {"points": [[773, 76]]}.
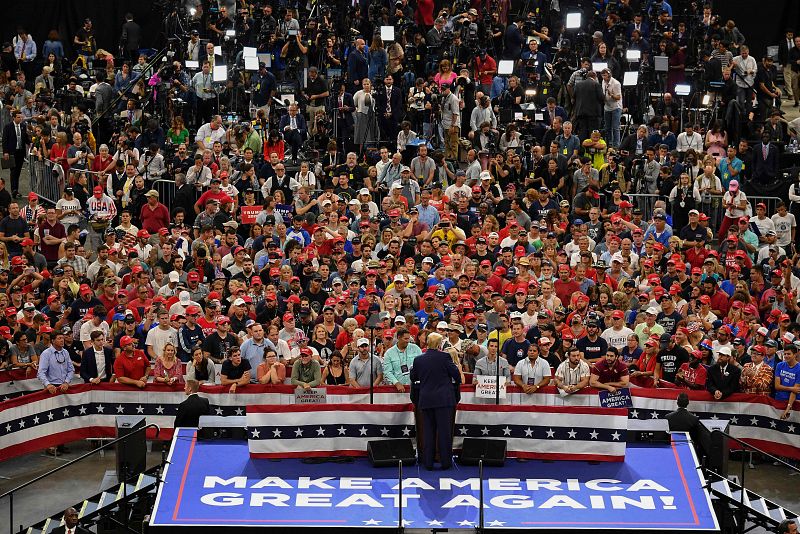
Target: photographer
{"points": [[152, 165], [79, 155], [485, 70], [315, 94], [450, 121]]}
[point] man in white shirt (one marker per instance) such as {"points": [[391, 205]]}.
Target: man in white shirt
{"points": [[690, 139], [745, 67], [532, 373], [573, 374], [785, 225], [95, 322], [617, 334], [210, 133], [158, 337]]}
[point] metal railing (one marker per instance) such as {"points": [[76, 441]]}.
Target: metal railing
{"points": [[10, 493], [747, 447], [47, 179]]}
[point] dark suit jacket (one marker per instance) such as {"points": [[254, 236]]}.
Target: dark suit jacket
{"points": [[783, 51], [301, 124], [716, 381], [131, 35], [89, 364], [190, 410], [357, 67], [513, 41], [559, 112], [682, 420], [432, 380], [10, 137], [588, 99], [765, 170], [347, 116], [629, 144], [395, 97]]}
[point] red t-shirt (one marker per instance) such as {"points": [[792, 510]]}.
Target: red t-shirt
{"points": [[606, 374], [50, 252], [131, 367], [154, 220]]}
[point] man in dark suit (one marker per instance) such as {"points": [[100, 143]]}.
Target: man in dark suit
{"points": [[723, 378], [190, 410], [588, 105], [15, 142], [293, 128], [682, 420], [357, 66], [552, 110], [96, 369], [343, 112], [131, 37], [434, 382], [390, 108], [765, 161], [513, 41]]}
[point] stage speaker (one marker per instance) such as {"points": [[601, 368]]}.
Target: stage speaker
{"points": [[216, 427], [715, 445], [649, 431], [132, 452], [491, 451], [387, 452]]}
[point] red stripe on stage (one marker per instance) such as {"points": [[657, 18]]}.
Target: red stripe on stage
{"points": [[290, 408], [308, 454], [183, 478], [583, 410], [684, 482]]}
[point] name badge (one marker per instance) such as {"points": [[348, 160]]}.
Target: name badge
{"points": [[404, 369], [531, 382]]}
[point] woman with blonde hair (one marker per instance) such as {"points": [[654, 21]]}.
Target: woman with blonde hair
{"points": [[445, 76], [168, 369]]}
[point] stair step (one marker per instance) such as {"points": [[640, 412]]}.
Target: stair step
{"points": [[778, 513], [736, 496], [721, 486], [52, 524], [87, 508], [106, 499], [760, 506], [144, 481]]}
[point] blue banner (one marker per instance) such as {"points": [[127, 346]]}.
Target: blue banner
{"points": [[201, 490], [619, 399]]}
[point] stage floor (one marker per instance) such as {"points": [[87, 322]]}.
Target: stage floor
{"points": [[208, 485]]}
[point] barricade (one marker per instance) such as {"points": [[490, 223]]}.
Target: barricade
{"points": [[47, 179]]}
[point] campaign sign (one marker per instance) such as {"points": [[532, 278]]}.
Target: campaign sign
{"points": [[285, 210], [249, 213], [217, 484], [485, 388], [619, 399], [311, 396]]}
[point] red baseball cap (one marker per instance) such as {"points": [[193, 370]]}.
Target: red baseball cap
{"points": [[193, 276], [126, 340], [705, 299]]}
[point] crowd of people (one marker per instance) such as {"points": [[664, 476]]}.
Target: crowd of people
{"points": [[407, 190]]}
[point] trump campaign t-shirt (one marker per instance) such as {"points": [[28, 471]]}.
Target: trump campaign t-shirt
{"points": [[789, 376]]}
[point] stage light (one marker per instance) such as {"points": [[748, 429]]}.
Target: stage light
{"points": [[387, 33], [573, 21], [598, 67], [192, 11], [530, 92], [630, 78], [633, 55], [683, 89], [706, 99], [505, 67], [220, 73]]}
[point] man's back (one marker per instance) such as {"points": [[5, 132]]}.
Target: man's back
{"points": [[190, 410], [434, 370]]}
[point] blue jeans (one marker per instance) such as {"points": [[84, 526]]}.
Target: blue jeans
{"points": [[611, 126]]}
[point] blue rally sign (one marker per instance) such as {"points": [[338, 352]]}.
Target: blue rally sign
{"points": [[619, 399], [217, 484]]}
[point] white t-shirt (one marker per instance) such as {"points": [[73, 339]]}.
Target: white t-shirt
{"points": [[158, 338], [69, 205], [88, 327], [764, 225], [532, 374], [783, 228], [617, 338], [734, 212]]}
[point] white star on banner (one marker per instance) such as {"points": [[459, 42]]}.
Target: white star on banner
{"points": [[463, 431], [791, 429], [342, 430], [593, 433], [50, 416], [485, 431], [406, 431], [528, 432], [506, 431], [100, 408], [551, 433], [466, 523], [773, 424], [255, 433], [572, 433], [66, 412], [82, 410], [372, 522], [22, 423], [120, 409], [219, 411], [654, 415], [8, 428], [754, 421], [634, 414], [384, 431], [434, 523], [239, 411], [715, 417], [276, 433], [363, 430], [320, 431], [406, 522], [298, 432], [496, 523], [615, 435], [140, 409], [36, 420], [734, 420], [159, 409]]}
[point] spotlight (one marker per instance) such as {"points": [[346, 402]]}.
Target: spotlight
{"points": [[505, 67], [630, 78], [573, 21], [633, 55], [683, 89], [192, 11]]}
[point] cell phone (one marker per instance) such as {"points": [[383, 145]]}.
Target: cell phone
{"points": [[291, 33]]}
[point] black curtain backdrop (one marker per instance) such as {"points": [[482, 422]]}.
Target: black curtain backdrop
{"points": [[38, 17], [762, 22]]}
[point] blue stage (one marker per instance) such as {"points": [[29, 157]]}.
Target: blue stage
{"points": [[217, 484]]}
